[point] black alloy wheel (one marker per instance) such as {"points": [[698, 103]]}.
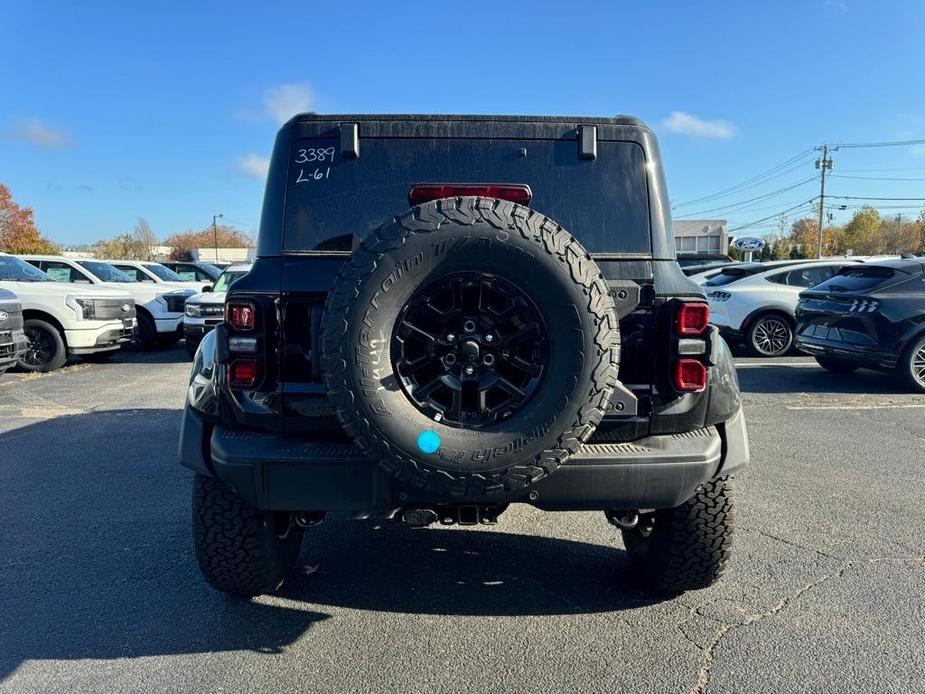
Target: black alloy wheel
{"points": [[470, 349], [45, 349]]}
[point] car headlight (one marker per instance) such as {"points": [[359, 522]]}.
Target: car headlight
{"points": [[719, 296], [193, 311], [84, 308]]}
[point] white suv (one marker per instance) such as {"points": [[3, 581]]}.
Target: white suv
{"points": [[160, 306], [206, 310], [59, 319], [155, 273], [757, 308]]}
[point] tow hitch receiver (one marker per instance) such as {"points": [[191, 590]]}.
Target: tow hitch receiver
{"points": [[452, 515]]}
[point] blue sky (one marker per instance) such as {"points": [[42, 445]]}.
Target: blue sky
{"points": [[111, 111]]}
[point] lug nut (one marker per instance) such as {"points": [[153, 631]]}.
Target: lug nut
{"points": [[470, 370], [469, 326], [488, 359], [451, 337], [489, 338]]}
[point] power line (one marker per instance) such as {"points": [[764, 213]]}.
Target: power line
{"points": [[776, 214], [754, 180], [745, 203], [893, 143], [875, 178], [861, 197]]}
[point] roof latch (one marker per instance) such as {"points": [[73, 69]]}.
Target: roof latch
{"points": [[587, 142], [350, 140]]}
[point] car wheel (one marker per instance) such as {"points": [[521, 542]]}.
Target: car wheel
{"points": [[467, 358], [836, 365], [913, 365], [769, 336], [45, 349], [146, 333], [686, 547], [240, 549]]}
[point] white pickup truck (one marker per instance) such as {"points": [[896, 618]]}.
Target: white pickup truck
{"points": [[58, 319], [160, 306], [155, 273]]}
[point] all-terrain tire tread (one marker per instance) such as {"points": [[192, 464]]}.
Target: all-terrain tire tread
{"points": [[691, 544], [236, 545]]}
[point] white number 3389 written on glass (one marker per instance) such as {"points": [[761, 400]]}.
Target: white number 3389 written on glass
{"points": [[313, 154]]}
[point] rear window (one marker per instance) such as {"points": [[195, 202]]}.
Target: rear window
{"points": [[727, 277], [857, 279], [332, 204]]}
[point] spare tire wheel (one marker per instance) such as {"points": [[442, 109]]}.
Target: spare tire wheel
{"points": [[470, 346]]}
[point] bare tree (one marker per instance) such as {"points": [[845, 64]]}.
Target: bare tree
{"points": [[145, 238]]}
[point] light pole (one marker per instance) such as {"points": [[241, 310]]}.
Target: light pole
{"points": [[215, 234]]}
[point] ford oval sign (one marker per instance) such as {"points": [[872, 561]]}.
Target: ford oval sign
{"points": [[749, 244]]}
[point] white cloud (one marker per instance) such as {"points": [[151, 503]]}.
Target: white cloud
{"points": [[253, 165], [35, 132], [688, 124], [284, 101]]}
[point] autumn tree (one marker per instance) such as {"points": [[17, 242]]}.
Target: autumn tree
{"points": [[18, 233], [138, 245], [223, 236], [862, 233]]}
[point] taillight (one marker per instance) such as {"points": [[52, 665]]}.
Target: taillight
{"points": [[240, 315], [425, 192], [692, 318], [690, 375], [242, 373]]}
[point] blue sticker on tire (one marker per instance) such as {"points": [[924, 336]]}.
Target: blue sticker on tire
{"points": [[428, 441]]}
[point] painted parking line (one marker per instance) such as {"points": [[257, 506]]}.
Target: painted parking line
{"points": [[855, 407]]}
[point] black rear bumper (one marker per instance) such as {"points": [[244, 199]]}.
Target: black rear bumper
{"points": [[279, 473]]}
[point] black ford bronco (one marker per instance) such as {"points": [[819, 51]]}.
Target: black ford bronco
{"points": [[448, 315]]}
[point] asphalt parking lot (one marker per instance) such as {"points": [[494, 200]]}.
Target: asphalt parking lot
{"points": [[99, 589]]}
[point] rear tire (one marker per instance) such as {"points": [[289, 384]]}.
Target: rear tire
{"points": [[241, 550], [913, 365], [686, 547], [770, 335], [836, 365], [146, 333], [46, 350]]}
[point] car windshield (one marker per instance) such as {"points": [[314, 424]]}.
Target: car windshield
{"points": [[223, 282], [13, 269], [104, 271], [163, 273]]}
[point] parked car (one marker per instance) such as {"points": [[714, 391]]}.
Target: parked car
{"points": [[204, 311], [12, 338], [754, 303], [193, 271], [61, 319], [870, 316], [700, 268], [688, 259], [159, 306], [464, 355], [155, 273]]}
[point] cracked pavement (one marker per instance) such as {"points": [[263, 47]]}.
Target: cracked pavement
{"points": [[99, 590]]}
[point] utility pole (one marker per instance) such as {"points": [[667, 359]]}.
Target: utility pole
{"points": [[824, 164], [215, 234]]}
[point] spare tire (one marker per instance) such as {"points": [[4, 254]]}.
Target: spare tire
{"points": [[470, 346]]}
